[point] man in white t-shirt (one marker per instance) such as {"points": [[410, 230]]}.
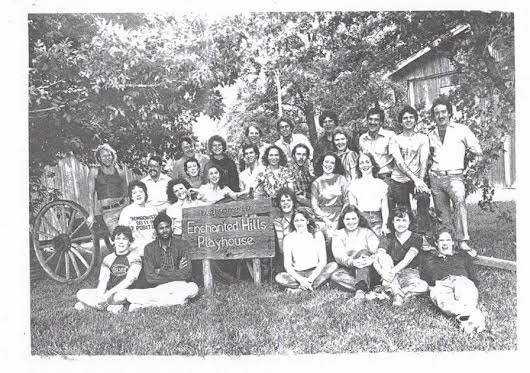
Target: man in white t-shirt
{"points": [[156, 183], [288, 140]]}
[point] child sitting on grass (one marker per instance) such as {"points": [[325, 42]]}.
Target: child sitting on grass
{"points": [[452, 282], [397, 261], [119, 271]]}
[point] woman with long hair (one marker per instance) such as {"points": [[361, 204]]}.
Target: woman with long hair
{"points": [[353, 247], [215, 189], [305, 259], [349, 158], [329, 191], [370, 194]]}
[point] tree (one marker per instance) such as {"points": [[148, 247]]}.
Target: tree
{"points": [[135, 81]]}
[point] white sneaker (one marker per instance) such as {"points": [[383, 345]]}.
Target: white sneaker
{"points": [[79, 306], [115, 308], [293, 291]]}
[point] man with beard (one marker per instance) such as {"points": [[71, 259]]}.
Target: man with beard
{"points": [[156, 183], [167, 270], [303, 174]]}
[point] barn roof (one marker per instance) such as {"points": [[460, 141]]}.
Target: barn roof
{"points": [[402, 64]]}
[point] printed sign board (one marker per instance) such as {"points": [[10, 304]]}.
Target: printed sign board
{"points": [[236, 230]]}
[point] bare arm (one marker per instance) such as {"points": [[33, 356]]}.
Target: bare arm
{"points": [[340, 254], [130, 278], [409, 257], [384, 213], [322, 258], [92, 196]]}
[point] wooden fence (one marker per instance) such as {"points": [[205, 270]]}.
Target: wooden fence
{"points": [[71, 178]]}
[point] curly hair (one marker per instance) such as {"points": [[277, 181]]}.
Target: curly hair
{"points": [[375, 167], [407, 109], [363, 222], [328, 114], [161, 217], [256, 127], [219, 139], [222, 182], [283, 191], [311, 225], [171, 197], [283, 158], [301, 146], [190, 160], [123, 229], [339, 168], [137, 183]]}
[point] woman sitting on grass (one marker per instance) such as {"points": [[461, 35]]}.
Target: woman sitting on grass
{"points": [[398, 264], [354, 246], [304, 255], [369, 194], [216, 189], [452, 282], [119, 271], [139, 216]]}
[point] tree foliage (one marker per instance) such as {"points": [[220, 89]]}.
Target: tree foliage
{"points": [[337, 60], [135, 81]]}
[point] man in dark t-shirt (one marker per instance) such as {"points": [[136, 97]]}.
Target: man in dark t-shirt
{"points": [[397, 262]]}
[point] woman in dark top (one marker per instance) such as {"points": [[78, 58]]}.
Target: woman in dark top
{"points": [[225, 164]]}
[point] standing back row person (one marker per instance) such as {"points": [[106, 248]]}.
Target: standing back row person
{"points": [[288, 140], [227, 167], [156, 183]]}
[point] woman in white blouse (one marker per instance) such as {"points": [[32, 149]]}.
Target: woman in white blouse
{"points": [[304, 255], [370, 194], [215, 189]]}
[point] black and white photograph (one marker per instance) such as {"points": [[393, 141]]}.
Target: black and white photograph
{"points": [[269, 183]]}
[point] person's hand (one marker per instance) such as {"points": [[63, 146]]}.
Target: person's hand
{"points": [[329, 224], [420, 186], [102, 300], [157, 271], [305, 284], [90, 220], [385, 230], [388, 275], [183, 263]]}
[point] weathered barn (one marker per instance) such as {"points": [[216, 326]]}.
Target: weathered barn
{"points": [[429, 75]]}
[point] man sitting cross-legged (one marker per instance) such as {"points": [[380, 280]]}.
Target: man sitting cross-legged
{"points": [[167, 269], [119, 272], [398, 264]]}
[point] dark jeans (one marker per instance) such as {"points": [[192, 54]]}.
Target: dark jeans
{"points": [[401, 192], [386, 178]]}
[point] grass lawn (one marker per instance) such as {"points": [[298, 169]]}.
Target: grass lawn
{"points": [[245, 319]]}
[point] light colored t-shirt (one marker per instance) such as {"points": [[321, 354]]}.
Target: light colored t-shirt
{"points": [[378, 147], [410, 148], [367, 193], [304, 248], [157, 191], [140, 220], [211, 195], [175, 213], [347, 247], [287, 147]]}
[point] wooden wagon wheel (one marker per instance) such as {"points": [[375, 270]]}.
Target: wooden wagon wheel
{"points": [[63, 242]]}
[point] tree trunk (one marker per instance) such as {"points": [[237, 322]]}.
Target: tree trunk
{"points": [[309, 113]]}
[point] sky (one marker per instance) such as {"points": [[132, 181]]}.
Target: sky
{"points": [[206, 126]]}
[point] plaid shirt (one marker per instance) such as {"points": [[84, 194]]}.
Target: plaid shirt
{"points": [[303, 178]]}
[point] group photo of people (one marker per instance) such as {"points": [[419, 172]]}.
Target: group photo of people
{"points": [[280, 182], [344, 213]]}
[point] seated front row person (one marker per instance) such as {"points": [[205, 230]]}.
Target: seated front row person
{"points": [[354, 246], [304, 252], [119, 272], [452, 282], [167, 269], [398, 264]]}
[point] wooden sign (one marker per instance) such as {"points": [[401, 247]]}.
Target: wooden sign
{"points": [[235, 230], [231, 209], [229, 238]]}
